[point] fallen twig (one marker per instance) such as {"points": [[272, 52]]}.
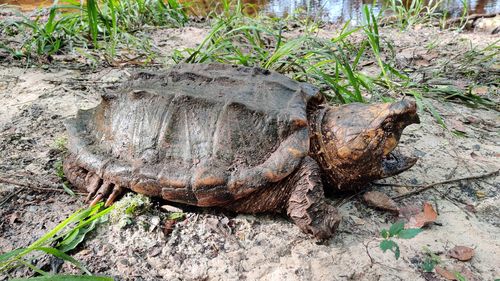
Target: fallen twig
{"points": [[344, 200], [424, 187], [472, 17]]}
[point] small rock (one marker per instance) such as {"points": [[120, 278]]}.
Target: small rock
{"points": [[357, 221], [419, 153], [402, 189], [171, 209], [472, 120], [480, 194], [480, 91], [471, 208]]}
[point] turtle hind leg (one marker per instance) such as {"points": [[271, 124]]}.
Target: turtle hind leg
{"points": [[306, 206], [97, 188]]}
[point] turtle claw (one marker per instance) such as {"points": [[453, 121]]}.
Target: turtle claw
{"points": [[117, 191], [93, 185], [96, 200], [107, 191], [102, 192]]}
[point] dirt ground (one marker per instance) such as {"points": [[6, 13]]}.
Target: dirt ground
{"points": [[214, 245]]}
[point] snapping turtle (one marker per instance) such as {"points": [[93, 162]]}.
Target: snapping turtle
{"points": [[245, 139]]}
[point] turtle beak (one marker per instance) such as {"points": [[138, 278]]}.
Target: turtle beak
{"points": [[403, 113], [396, 163]]}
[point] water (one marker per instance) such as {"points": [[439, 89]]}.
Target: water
{"points": [[331, 10], [342, 10]]}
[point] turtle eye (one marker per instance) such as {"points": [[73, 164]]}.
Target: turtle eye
{"points": [[388, 126]]}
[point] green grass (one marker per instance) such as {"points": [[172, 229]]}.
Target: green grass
{"points": [[63, 238], [416, 12], [332, 64], [407, 14], [109, 30], [475, 66], [95, 25]]}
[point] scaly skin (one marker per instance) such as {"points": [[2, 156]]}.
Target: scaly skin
{"points": [[354, 143]]}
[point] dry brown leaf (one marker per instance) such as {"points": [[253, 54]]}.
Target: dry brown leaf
{"points": [[465, 272], [461, 253], [379, 200], [450, 272], [168, 226], [408, 211], [448, 275], [427, 216]]}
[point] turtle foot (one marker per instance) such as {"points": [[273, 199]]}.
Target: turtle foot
{"points": [[106, 190], [307, 207], [99, 189]]}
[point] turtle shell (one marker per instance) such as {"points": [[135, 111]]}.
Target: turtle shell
{"points": [[202, 134]]}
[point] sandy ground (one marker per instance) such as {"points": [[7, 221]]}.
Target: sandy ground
{"points": [[213, 245]]}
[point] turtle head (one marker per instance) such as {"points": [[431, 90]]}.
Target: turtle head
{"points": [[357, 141]]}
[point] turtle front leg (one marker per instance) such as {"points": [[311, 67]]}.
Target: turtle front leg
{"points": [[306, 206], [98, 189]]}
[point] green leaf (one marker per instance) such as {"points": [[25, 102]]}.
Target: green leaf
{"points": [[75, 237], [396, 228], [66, 278], [384, 233], [176, 216], [387, 245], [92, 15], [428, 265], [390, 245], [409, 233]]}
